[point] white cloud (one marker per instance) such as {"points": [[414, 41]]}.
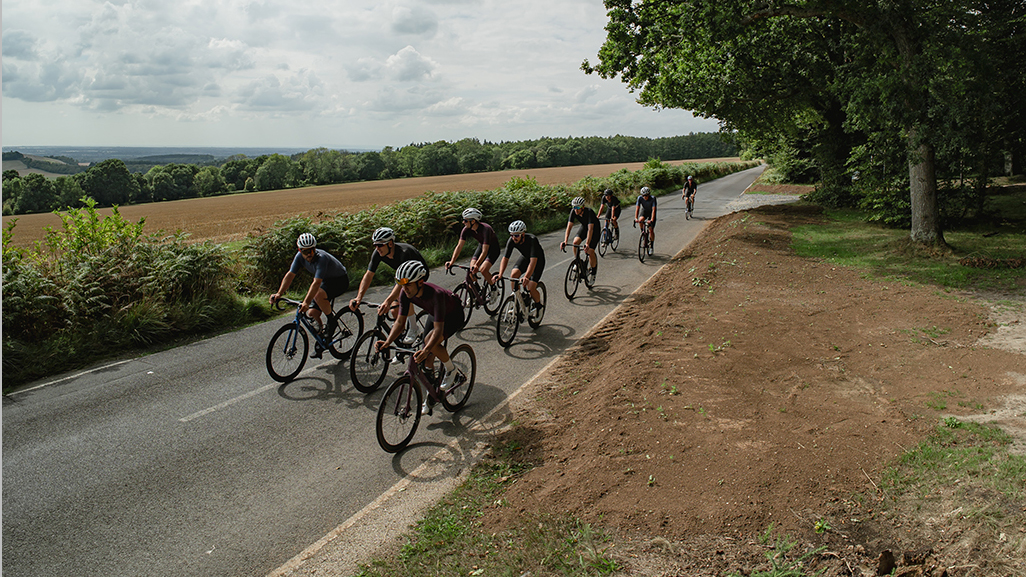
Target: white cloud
{"points": [[382, 72]]}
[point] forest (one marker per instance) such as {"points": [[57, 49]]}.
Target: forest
{"points": [[123, 182]]}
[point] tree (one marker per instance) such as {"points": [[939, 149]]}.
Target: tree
{"points": [[209, 182], [37, 195], [277, 172], [109, 183], [860, 65]]}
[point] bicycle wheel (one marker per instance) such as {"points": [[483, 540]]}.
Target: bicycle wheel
{"points": [[466, 364], [398, 415], [367, 365], [535, 317], [589, 281], [493, 296], [604, 242], [573, 279], [616, 240], [350, 327], [286, 353], [507, 321], [643, 246], [687, 210], [462, 292]]}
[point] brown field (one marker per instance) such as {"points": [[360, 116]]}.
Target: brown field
{"points": [[234, 217]]}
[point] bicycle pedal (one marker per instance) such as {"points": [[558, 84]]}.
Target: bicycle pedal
{"points": [[317, 355]]}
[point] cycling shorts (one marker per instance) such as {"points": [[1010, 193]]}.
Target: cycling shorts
{"points": [[335, 286], [454, 322], [493, 253], [613, 211], [582, 233], [525, 262]]}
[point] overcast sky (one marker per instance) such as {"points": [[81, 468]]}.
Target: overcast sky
{"points": [[355, 73]]}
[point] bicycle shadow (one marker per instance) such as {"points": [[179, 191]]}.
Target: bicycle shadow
{"points": [[546, 341], [472, 428], [334, 385], [598, 295]]}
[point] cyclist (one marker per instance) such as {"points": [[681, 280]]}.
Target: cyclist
{"points": [[645, 210], [392, 253], [610, 199], [531, 262], [589, 231], [487, 244], [445, 319], [330, 280], [689, 192]]}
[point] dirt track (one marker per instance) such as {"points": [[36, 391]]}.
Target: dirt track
{"points": [[233, 217]]}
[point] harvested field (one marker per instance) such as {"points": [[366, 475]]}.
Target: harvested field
{"points": [[234, 217]]}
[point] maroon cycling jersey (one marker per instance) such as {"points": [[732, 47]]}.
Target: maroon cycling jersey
{"points": [[435, 300]]}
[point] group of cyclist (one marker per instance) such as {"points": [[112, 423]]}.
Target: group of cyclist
{"points": [[444, 309]]}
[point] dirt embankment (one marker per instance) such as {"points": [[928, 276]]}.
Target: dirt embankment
{"points": [[745, 388]]}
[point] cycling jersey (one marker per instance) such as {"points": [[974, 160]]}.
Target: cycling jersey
{"points": [[586, 217], [334, 276], [438, 303], [690, 188], [483, 235], [529, 248], [614, 205], [647, 206], [403, 252]]}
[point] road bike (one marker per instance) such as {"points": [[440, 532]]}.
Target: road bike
{"points": [[474, 293], [287, 351], [645, 245], [689, 207], [577, 273], [367, 365], [517, 308], [608, 239], [401, 406]]}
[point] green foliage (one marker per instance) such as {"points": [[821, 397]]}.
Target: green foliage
{"points": [[99, 286]]}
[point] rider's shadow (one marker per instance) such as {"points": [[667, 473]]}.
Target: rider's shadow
{"points": [[548, 340], [476, 332], [599, 295]]}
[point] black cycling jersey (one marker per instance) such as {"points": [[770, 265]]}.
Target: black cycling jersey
{"points": [[529, 248], [403, 252], [647, 205], [586, 217]]}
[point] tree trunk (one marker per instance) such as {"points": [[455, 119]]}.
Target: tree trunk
{"points": [[922, 172]]}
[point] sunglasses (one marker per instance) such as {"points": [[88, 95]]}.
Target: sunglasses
{"points": [[307, 251], [402, 281], [379, 245], [516, 236]]}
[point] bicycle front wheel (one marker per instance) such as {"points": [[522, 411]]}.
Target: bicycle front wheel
{"points": [[534, 318], [462, 292], [286, 353], [466, 366], [507, 322], [350, 327], [493, 296], [604, 242], [398, 415], [589, 280], [643, 246], [615, 242], [573, 279], [367, 365]]}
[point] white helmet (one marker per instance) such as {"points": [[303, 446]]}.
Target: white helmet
{"points": [[517, 227], [306, 240], [410, 271], [577, 202], [645, 191], [472, 214], [383, 235]]}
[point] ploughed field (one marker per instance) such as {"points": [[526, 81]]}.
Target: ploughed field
{"points": [[234, 217]]}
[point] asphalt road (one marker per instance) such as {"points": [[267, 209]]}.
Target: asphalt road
{"points": [[193, 461]]}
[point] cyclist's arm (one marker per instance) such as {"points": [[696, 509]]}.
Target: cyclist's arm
{"points": [[502, 267], [310, 294], [532, 264], [391, 298], [397, 329], [364, 285], [286, 282], [566, 236], [591, 230], [455, 253]]}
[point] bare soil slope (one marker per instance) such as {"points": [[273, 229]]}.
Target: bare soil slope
{"points": [[744, 387]]}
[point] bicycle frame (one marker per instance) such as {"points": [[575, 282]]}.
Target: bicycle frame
{"points": [[305, 322], [476, 290]]}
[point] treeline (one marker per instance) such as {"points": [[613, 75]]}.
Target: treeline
{"points": [[113, 181]]}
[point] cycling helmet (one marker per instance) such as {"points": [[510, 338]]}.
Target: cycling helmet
{"points": [[689, 177], [577, 203], [306, 240], [472, 214], [517, 227], [645, 191], [608, 192], [410, 271], [383, 235]]}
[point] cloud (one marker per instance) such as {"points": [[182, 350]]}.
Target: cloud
{"points": [[414, 21], [19, 44], [293, 93], [408, 65], [363, 70]]}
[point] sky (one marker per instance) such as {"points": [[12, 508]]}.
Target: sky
{"points": [[339, 74]]}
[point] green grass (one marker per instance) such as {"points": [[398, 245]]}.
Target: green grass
{"points": [[451, 539], [848, 240]]}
